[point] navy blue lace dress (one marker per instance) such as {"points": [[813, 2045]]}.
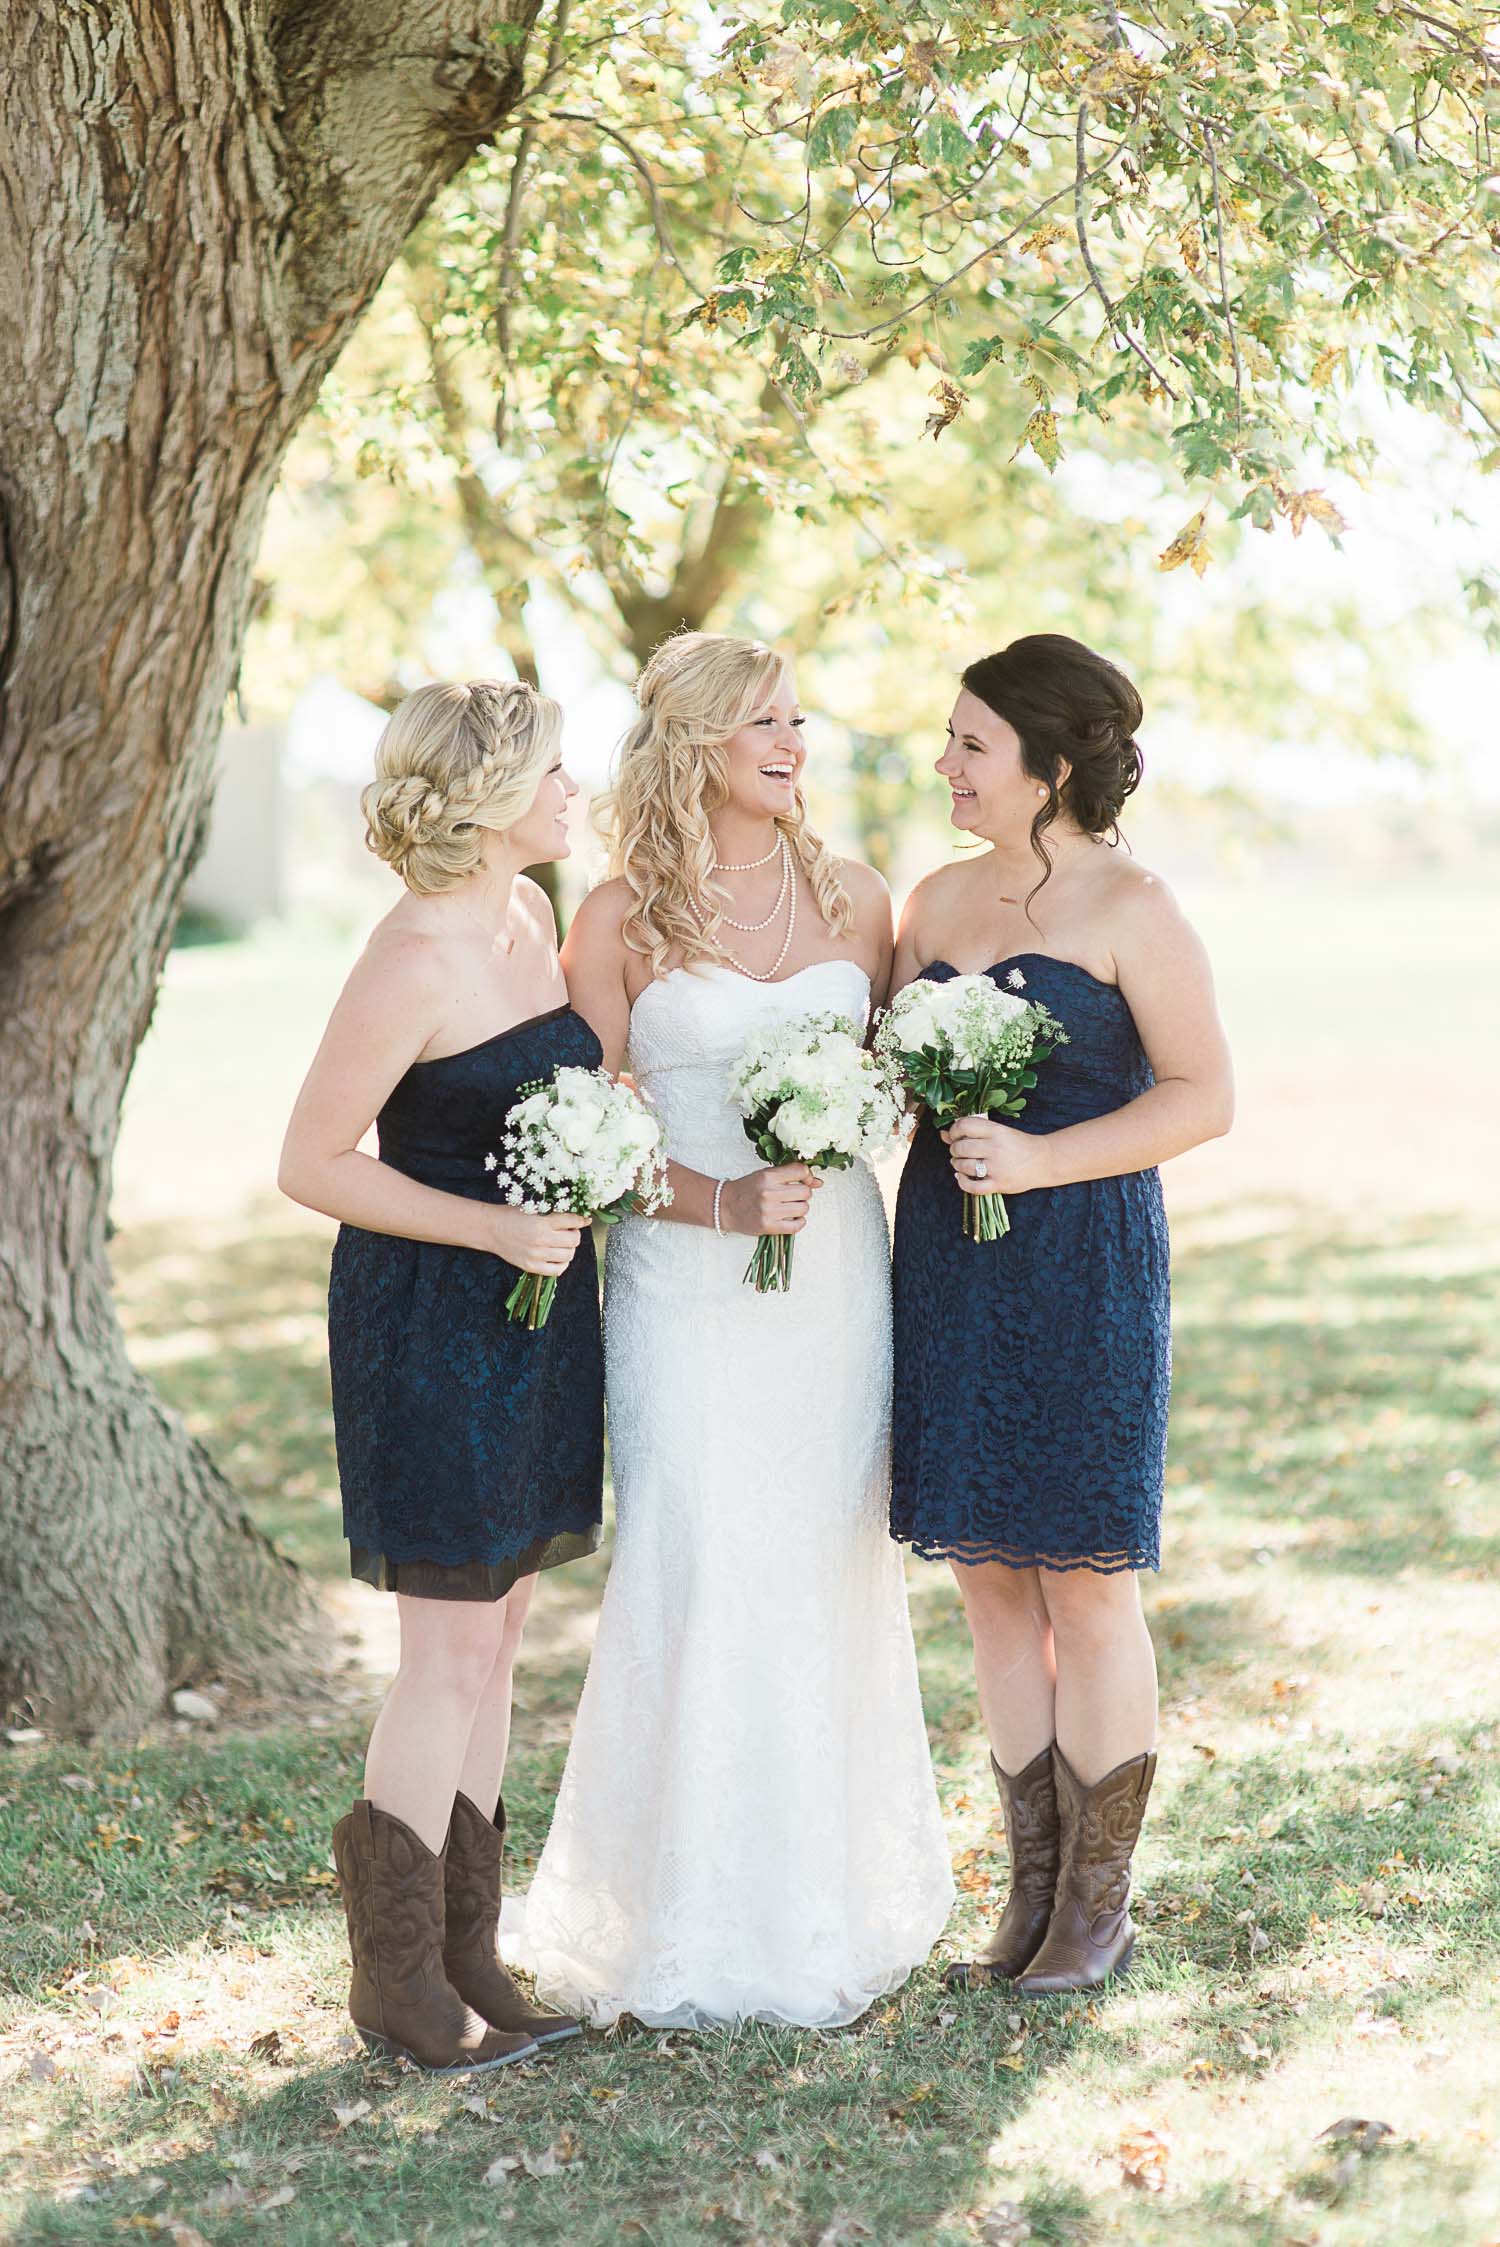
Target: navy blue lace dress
{"points": [[471, 1450], [1031, 1373]]}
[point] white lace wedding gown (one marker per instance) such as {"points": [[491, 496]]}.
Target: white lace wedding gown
{"points": [[747, 1826]]}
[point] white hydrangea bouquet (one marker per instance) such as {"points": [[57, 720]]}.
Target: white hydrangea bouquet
{"points": [[809, 1093], [964, 1047], [580, 1142]]}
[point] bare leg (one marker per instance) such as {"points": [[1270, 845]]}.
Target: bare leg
{"points": [[1106, 1669], [1013, 1658], [416, 1751], [489, 1735]]}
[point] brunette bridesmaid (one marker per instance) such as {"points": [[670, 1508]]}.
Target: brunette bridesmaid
{"points": [[1031, 1373], [470, 1449]]}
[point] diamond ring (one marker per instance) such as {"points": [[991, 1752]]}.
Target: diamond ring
{"points": [[981, 1170]]}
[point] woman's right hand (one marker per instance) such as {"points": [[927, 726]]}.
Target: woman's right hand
{"points": [[769, 1201], [545, 1244]]}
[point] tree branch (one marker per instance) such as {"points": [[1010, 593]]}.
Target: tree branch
{"points": [[515, 206], [653, 192], [381, 103], [1234, 341], [1118, 327]]}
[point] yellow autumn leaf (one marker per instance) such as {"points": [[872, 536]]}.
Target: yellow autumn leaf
{"points": [[1311, 507], [1041, 434], [1190, 244], [1327, 364], [950, 404], [1190, 545]]}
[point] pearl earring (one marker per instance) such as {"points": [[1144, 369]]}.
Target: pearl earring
{"points": [[1041, 791]]}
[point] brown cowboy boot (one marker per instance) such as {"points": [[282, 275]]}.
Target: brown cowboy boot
{"points": [[1092, 1934], [400, 2000], [476, 1845], [1029, 1801]]}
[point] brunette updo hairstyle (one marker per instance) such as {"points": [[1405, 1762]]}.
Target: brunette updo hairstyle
{"points": [[1069, 706]]}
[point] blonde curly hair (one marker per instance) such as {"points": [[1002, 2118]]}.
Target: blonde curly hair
{"points": [[697, 689], [454, 761]]}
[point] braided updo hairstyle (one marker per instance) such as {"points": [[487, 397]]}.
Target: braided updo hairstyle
{"points": [[1069, 706], [453, 762]]}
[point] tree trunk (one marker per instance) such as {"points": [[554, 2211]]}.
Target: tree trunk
{"points": [[201, 196]]}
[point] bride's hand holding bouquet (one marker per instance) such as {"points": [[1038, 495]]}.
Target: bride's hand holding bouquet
{"points": [[810, 1094]]}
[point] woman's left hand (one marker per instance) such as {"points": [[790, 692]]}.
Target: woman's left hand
{"points": [[994, 1158]]}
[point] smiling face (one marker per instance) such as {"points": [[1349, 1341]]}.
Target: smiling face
{"points": [[993, 794], [541, 832], [763, 759]]}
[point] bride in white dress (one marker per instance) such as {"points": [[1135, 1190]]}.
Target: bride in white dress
{"points": [[747, 1826]]}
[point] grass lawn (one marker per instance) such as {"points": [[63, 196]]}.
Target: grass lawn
{"points": [[1320, 1878]]}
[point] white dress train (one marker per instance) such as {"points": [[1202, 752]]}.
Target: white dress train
{"points": [[747, 1827]]}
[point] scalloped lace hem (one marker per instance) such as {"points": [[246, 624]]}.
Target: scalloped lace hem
{"points": [[974, 1553]]}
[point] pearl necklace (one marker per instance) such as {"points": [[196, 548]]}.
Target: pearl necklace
{"points": [[753, 928], [788, 887], [748, 865]]}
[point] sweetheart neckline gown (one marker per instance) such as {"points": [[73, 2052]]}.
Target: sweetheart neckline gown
{"points": [[470, 1450], [1032, 1373], [747, 1826]]}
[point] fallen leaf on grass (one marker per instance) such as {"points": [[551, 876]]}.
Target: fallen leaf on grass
{"points": [[841, 2230], [40, 2066], [1354, 2129], [266, 2047], [343, 2116], [1004, 2225], [232, 2195], [765, 2159], [1143, 2159], [560, 2155], [278, 2198]]}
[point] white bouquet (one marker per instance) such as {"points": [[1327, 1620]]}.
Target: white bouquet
{"points": [[580, 1142], [964, 1047], [810, 1093]]}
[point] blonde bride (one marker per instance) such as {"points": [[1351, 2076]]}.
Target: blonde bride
{"points": [[747, 1826]]}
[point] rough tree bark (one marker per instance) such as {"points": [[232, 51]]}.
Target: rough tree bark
{"points": [[200, 197]]}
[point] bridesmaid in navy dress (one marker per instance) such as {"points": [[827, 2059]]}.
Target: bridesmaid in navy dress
{"points": [[470, 1449], [1032, 1372]]}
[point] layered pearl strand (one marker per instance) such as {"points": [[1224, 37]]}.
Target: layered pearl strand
{"points": [[786, 895]]}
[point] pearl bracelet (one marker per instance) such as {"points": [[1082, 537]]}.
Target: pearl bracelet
{"points": [[718, 1197]]}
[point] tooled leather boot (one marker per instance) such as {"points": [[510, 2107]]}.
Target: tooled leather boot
{"points": [[1029, 1803], [1091, 1935], [400, 2000], [471, 1959]]}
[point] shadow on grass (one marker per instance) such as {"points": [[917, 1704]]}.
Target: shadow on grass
{"points": [[881, 2131], [1344, 1391]]}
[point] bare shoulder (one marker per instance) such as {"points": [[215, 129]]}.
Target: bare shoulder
{"points": [[602, 913], [535, 902], [417, 962], [1145, 926], [1138, 900], [404, 976], [868, 890], [935, 898]]}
